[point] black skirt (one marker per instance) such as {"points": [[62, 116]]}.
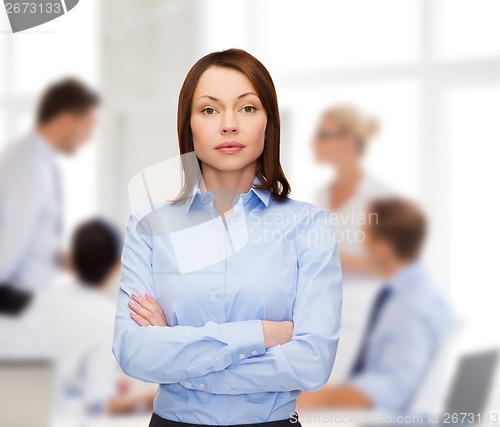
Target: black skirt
{"points": [[293, 421]]}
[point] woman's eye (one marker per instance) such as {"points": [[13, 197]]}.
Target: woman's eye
{"points": [[208, 110], [249, 109]]}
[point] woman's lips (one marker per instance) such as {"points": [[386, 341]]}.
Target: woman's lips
{"points": [[230, 147], [230, 150]]}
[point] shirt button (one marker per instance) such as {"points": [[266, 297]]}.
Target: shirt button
{"points": [[188, 384], [218, 252], [217, 292], [242, 356], [254, 352], [202, 385], [230, 219]]}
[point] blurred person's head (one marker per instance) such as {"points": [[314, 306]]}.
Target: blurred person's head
{"points": [[66, 114], [342, 136], [395, 231], [95, 254], [229, 97]]}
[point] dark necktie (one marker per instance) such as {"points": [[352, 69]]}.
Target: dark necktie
{"points": [[377, 308]]}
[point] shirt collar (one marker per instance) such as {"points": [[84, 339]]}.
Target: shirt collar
{"points": [[43, 145], [408, 275], [207, 196]]}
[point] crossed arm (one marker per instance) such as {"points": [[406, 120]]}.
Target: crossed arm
{"points": [[150, 350]]}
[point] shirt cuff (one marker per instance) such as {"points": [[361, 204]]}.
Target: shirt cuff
{"points": [[245, 338]]}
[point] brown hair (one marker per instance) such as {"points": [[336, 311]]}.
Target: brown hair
{"points": [[268, 164], [67, 95], [401, 223]]}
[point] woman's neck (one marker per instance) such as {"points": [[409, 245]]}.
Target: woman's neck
{"points": [[225, 185], [349, 176], [239, 181], [345, 185]]}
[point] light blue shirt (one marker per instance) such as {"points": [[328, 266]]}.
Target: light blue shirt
{"points": [[30, 213], [414, 323], [275, 261]]}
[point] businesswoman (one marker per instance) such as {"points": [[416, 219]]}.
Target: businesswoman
{"points": [[342, 139], [230, 295]]}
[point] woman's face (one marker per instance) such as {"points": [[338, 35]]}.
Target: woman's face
{"points": [[227, 110], [333, 146]]}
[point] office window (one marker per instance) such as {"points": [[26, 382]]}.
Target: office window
{"points": [[468, 29], [337, 33], [473, 137]]}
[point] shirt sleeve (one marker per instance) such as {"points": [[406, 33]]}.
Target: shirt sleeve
{"points": [[306, 361], [396, 362], [170, 354], [24, 196]]}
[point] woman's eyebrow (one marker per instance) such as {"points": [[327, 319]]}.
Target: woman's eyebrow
{"points": [[213, 98], [246, 94]]}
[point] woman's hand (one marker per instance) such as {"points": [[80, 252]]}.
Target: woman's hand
{"points": [[146, 311], [276, 333]]}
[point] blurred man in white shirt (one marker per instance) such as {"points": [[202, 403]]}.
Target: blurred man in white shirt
{"points": [[30, 190]]}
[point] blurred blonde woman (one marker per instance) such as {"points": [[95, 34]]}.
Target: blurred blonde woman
{"points": [[342, 138]]}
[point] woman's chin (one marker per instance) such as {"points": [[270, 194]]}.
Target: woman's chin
{"points": [[230, 163]]}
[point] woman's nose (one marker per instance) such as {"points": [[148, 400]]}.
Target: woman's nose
{"points": [[229, 124]]}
